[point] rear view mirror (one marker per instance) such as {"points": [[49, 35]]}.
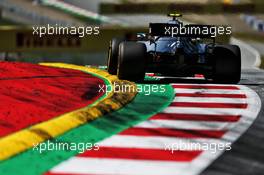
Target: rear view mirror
{"points": [[141, 36]]}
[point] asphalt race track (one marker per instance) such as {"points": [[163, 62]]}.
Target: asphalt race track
{"points": [[244, 158], [247, 155], [188, 126], [140, 138]]}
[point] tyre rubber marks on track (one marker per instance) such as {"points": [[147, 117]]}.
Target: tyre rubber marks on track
{"points": [[198, 114]]}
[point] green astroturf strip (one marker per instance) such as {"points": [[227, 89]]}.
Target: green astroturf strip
{"points": [[141, 108]]}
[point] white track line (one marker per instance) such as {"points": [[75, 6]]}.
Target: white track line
{"points": [[154, 142], [100, 165], [209, 111], [183, 124], [207, 91], [250, 49], [208, 85], [210, 100]]}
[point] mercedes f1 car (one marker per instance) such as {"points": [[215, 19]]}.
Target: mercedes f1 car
{"points": [[174, 55]]}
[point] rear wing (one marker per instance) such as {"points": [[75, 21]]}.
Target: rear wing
{"points": [[179, 30]]}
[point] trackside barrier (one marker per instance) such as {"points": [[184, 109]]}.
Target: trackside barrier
{"points": [[18, 39], [29, 15], [254, 22], [164, 8], [80, 12]]}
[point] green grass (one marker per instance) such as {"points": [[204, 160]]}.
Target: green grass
{"points": [[4, 22]]}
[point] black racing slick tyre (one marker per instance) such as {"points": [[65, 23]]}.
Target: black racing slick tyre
{"points": [[227, 64], [131, 61], [113, 55]]}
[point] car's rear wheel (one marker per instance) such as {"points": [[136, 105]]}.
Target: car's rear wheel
{"points": [[227, 64], [131, 61], [113, 55]]}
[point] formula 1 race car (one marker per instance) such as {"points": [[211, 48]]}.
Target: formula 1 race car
{"points": [[166, 51]]}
